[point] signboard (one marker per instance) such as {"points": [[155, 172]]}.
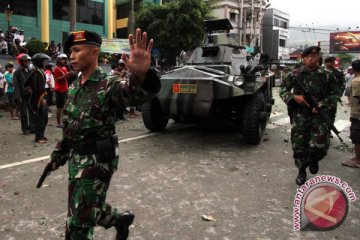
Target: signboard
{"points": [[345, 42], [115, 45]]}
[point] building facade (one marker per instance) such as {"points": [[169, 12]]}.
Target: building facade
{"points": [[276, 34], [49, 19], [246, 18], [122, 14]]}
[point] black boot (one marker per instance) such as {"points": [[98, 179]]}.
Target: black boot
{"points": [[123, 224], [301, 178], [314, 167]]}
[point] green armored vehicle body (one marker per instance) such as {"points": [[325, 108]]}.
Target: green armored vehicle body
{"points": [[219, 83]]}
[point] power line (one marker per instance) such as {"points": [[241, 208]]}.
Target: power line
{"points": [[313, 28]]}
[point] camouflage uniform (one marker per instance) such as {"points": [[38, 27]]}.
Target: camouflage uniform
{"points": [[89, 116], [340, 80], [309, 133]]}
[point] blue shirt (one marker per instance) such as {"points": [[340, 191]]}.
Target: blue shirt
{"points": [[8, 77]]}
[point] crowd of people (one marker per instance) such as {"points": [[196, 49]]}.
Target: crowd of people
{"points": [[13, 41], [29, 91]]}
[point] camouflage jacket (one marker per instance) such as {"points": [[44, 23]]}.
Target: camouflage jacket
{"points": [[89, 113], [321, 84], [340, 79]]}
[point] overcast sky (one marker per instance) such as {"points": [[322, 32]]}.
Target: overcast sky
{"points": [[344, 13]]}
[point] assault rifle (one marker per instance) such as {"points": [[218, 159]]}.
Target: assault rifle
{"points": [[46, 172], [313, 104]]}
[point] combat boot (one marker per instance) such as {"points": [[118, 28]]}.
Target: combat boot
{"points": [[301, 178], [314, 167], [123, 224]]}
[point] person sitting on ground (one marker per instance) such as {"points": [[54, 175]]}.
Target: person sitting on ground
{"points": [[2, 84], [3, 45], [21, 37], [53, 50], [17, 48], [355, 116]]}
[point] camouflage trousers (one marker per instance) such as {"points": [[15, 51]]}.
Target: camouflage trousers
{"points": [[86, 204], [309, 138]]}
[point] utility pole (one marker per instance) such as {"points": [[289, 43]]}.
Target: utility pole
{"points": [[131, 20], [241, 20], [72, 15], [252, 24]]}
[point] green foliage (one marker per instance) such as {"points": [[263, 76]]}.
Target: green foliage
{"points": [[175, 26], [36, 46], [345, 59]]}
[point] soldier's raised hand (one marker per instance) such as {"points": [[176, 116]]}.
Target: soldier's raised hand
{"points": [[140, 58]]}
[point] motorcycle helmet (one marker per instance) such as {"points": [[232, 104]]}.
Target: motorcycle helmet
{"points": [[23, 57], [39, 60]]}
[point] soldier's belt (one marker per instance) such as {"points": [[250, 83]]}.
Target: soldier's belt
{"points": [[85, 149], [105, 149]]}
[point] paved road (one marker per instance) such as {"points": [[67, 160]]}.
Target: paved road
{"points": [[172, 179]]}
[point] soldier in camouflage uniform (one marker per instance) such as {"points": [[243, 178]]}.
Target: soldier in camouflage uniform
{"points": [[309, 132], [90, 144], [340, 79]]}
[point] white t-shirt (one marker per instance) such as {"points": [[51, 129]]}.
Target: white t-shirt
{"points": [[348, 79], [2, 80], [50, 82]]}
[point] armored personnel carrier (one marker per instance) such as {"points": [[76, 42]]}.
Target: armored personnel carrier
{"points": [[219, 83]]}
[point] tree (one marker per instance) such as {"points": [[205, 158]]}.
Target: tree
{"points": [[345, 59], [175, 26]]}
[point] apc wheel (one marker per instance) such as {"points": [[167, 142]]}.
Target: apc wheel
{"points": [[254, 118], [153, 116]]}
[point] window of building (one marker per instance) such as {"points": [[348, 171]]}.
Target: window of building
{"points": [[283, 24], [90, 12], [233, 17], [122, 10], [87, 11], [61, 10], [276, 22], [23, 8], [282, 43]]}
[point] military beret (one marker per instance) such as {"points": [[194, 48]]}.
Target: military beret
{"points": [[82, 37], [311, 50], [330, 59]]}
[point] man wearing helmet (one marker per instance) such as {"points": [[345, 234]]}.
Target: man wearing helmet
{"points": [[61, 75], [35, 85], [21, 95]]}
